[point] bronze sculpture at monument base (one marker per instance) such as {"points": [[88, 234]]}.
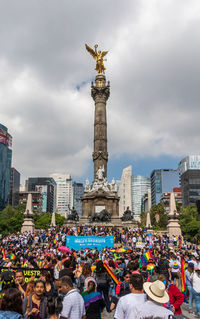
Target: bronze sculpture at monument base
{"points": [[95, 202]]}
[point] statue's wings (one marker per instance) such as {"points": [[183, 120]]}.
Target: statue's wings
{"points": [[104, 53], [91, 51]]}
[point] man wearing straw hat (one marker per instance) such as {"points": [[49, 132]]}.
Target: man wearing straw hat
{"points": [[157, 296]]}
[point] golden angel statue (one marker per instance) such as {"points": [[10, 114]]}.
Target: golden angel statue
{"points": [[98, 56]]}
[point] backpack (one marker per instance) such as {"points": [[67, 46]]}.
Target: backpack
{"points": [[101, 278]]}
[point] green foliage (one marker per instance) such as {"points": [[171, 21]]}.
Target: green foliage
{"points": [[43, 220], [59, 220], [190, 223], [10, 220], [158, 212]]}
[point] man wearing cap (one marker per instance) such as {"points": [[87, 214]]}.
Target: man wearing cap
{"points": [[157, 295], [127, 305]]}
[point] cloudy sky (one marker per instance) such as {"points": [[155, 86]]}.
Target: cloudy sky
{"points": [[45, 74]]}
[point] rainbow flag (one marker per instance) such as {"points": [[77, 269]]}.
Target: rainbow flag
{"points": [[183, 277], [55, 241], [12, 256], [3, 253], [111, 274], [148, 255]]}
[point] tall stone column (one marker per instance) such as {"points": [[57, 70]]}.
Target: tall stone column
{"points": [[100, 92]]}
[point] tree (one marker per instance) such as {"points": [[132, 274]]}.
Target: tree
{"points": [[43, 220], [10, 220], [190, 223], [159, 219]]}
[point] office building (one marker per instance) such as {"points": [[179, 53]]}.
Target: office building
{"points": [[189, 168], [37, 200], [14, 187], [64, 193], [78, 190], [146, 201], [124, 191], [5, 165], [163, 181], [139, 187], [47, 187], [165, 197]]}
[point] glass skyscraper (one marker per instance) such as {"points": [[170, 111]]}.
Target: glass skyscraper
{"points": [[5, 165], [78, 189], [140, 186], [163, 181], [189, 168]]}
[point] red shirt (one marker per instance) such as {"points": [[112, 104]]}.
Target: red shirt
{"points": [[176, 298]]}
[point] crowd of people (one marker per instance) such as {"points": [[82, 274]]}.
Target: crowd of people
{"points": [[143, 276]]}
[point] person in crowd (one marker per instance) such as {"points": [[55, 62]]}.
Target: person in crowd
{"points": [[102, 280], [19, 281], [35, 305], [195, 279], [122, 289], [153, 308], [54, 306], [188, 273], [11, 305], [175, 270], [86, 272], [176, 297], [128, 304], [73, 304], [50, 289], [67, 271], [93, 301]]}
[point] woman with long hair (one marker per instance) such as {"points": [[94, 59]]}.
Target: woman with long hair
{"points": [[93, 301], [86, 272], [35, 305], [102, 280], [50, 289], [11, 305]]}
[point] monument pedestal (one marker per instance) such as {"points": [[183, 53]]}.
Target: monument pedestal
{"points": [[174, 228], [96, 201], [28, 225]]}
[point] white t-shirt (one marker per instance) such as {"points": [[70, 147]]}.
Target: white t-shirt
{"points": [[127, 306], [195, 281], [174, 265], [153, 309]]}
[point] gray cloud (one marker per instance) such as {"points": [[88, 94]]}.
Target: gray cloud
{"points": [[153, 66]]}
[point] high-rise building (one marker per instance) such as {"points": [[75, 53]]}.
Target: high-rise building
{"points": [[189, 168], [64, 193], [37, 200], [47, 187], [163, 181], [14, 187], [140, 186], [78, 190], [165, 197], [5, 165], [124, 191]]}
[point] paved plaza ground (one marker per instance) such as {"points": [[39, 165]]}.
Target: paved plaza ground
{"points": [[184, 308]]}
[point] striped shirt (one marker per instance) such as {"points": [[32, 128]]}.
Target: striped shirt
{"points": [[73, 305]]}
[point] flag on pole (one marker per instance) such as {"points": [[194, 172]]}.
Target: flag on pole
{"points": [[111, 274], [183, 277]]}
